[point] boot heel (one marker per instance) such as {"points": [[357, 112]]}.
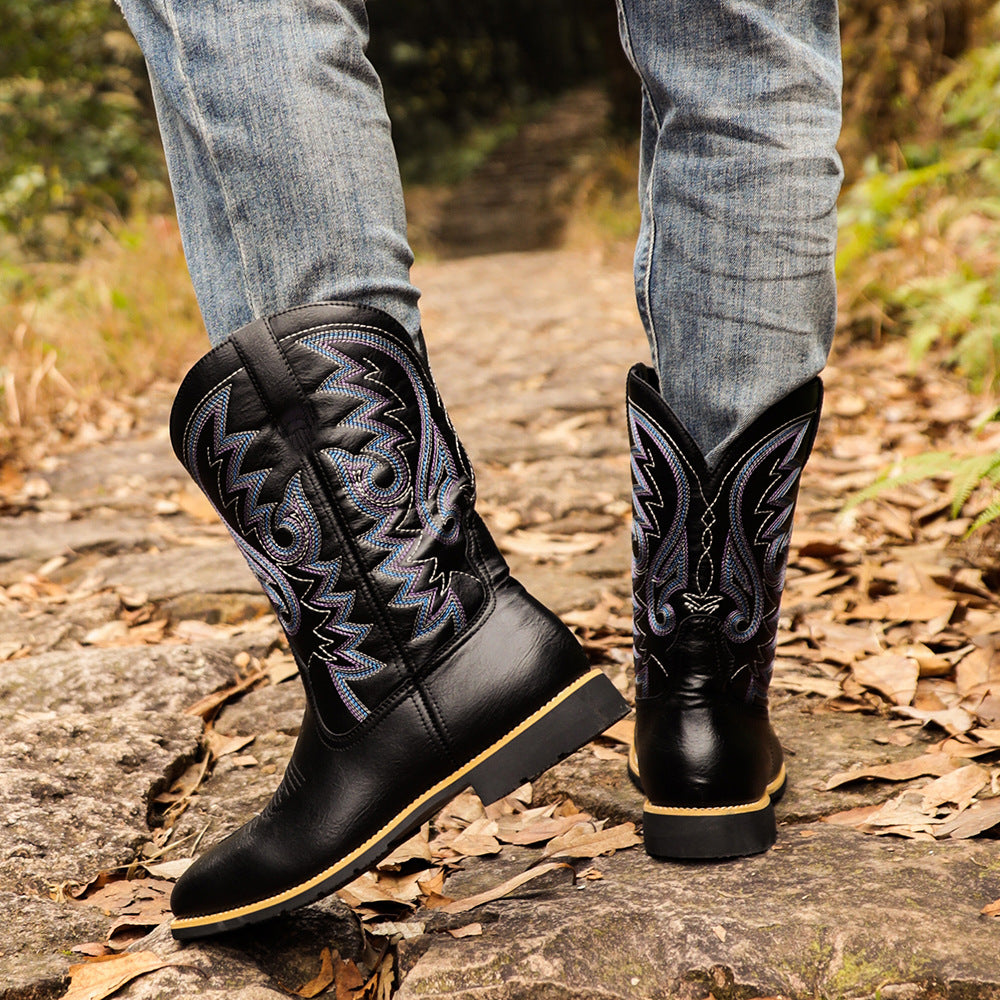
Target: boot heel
{"points": [[727, 832], [578, 714]]}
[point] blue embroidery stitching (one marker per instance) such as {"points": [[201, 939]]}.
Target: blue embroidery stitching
{"points": [[279, 563], [437, 494], [742, 577], [667, 572]]}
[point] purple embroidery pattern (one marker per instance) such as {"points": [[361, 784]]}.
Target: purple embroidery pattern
{"points": [[657, 579], [380, 482], [679, 567], [289, 542], [740, 578]]}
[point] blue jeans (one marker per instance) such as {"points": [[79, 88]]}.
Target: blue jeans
{"points": [[287, 188]]}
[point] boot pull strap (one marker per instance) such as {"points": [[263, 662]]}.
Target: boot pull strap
{"points": [[276, 382]]}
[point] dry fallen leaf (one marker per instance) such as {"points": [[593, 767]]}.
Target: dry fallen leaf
{"points": [[104, 976], [477, 839], [585, 842], [991, 909], [931, 664], [193, 502], [622, 731], [220, 746], [504, 889], [136, 904], [959, 786], [469, 930], [951, 720], [169, 870], [380, 983], [542, 546], [322, 979], [814, 585], [349, 980], [94, 949], [432, 883], [975, 820], [911, 607], [374, 888], [417, 848], [904, 815], [894, 676], [786, 678], [206, 706], [856, 817], [936, 764], [537, 829], [460, 812], [111, 633]]}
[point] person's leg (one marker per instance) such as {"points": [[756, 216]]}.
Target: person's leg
{"points": [[280, 156], [734, 277], [317, 433], [739, 179]]}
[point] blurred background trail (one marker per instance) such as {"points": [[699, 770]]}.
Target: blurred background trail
{"points": [[515, 126]]}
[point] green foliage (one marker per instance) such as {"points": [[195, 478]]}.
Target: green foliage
{"points": [[893, 55], [919, 249], [79, 140], [964, 474], [78, 133], [919, 244]]}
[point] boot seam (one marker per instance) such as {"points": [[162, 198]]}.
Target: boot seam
{"points": [[377, 606], [415, 674], [429, 710], [326, 500]]}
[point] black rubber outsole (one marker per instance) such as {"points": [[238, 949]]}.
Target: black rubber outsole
{"points": [[711, 833], [579, 713]]}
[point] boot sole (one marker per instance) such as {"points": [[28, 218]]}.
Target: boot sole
{"points": [[573, 717], [704, 833]]}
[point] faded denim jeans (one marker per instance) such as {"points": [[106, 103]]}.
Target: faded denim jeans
{"points": [[287, 189]]}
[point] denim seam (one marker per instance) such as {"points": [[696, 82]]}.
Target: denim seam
{"points": [[206, 138], [651, 245], [626, 36]]}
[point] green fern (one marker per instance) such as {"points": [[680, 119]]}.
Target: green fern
{"points": [[929, 465], [969, 473], [965, 474], [991, 513]]}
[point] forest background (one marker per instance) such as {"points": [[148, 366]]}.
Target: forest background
{"points": [[91, 259]]}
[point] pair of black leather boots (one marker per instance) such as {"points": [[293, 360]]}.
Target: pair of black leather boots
{"points": [[320, 439]]}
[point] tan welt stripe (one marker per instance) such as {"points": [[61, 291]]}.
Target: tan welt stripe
{"points": [[243, 911]]}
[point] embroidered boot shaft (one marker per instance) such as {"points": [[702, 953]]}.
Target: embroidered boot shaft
{"points": [[710, 547], [321, 441]]}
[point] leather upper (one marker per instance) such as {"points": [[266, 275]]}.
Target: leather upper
{"points": [[331, 800], [321, 441], [711, 545]]}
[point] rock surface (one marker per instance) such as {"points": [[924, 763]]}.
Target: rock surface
{"points": [[824, 914]]}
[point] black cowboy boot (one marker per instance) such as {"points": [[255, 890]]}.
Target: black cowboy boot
{"points": [[710, 548], [320, 439]]}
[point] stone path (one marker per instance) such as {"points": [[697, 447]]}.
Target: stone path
{"points": [[112, 546]]}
